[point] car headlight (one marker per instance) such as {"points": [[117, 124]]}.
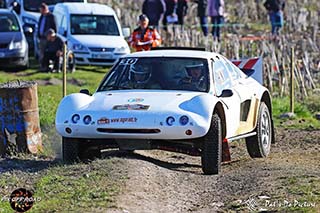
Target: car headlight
{"points": [[170, 120], [78, 47], [28, 20], [87, 119], [16, 45], [184, 120], [75, 118]]}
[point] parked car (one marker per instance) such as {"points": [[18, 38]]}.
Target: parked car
{"points": [[13, 44], [92, 31], [29, 14], [188, 101]]}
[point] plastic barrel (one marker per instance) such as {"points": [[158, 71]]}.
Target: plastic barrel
{"points": [[19, 117]]}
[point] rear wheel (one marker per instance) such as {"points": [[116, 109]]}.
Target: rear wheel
{"points": [[212, 148], [259, 145]]}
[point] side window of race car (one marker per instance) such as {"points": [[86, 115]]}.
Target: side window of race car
{"points": [[221, 76], [234, 73]]}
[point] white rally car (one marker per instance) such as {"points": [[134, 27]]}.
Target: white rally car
{"points": [[187, 101]]}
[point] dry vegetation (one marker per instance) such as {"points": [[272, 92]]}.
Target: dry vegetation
{"points": [[245, 19]]}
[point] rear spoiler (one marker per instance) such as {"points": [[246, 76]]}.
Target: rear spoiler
{"points": [[252, 67]]}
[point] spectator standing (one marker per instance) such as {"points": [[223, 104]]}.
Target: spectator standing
{"points": [[170, 15], [182, 10], [154, 10], [275, 9], [202, 14], [144, 37], [46, 22], [53, 51], [216, 12]]}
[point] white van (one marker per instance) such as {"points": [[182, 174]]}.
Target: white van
{"points": [[29, 14], [92, 32]]}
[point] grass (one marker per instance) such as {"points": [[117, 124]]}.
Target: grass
{"points": [[66, 188], [304, 117]]}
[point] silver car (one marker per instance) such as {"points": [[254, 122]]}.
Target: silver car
{"points": [[13, 44]]}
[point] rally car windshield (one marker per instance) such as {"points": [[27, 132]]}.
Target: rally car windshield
{"points": [[153, 73]]}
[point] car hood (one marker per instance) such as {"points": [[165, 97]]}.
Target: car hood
{"points": [[7, 37], [100, 41]]}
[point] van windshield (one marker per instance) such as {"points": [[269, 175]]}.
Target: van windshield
{"points": [[94, 25], [34, 5]]}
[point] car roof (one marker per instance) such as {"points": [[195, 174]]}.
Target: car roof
{"points": [[174, 53], [87, 8]]}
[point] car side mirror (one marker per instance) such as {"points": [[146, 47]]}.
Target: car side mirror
{"points": [[16, 7], [27, 30], [226, 93], [126, 32], [85, 91]]}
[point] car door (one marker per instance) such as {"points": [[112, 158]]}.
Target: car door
{"points": [[223, 81], [249, 103]]}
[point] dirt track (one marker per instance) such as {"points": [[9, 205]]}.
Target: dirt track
{"points": [[158, 181], [168, 182]]}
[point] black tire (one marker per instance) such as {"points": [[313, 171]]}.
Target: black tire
{"points": [[212, 148], [74, 150], [70, 150], [90, 154], [259, 145]]}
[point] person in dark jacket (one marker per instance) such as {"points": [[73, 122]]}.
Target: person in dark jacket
{"points": [[154, 9], [182, 10], [275, 9], [53, 51], [170, 13], [46, 22], [202, 14]]}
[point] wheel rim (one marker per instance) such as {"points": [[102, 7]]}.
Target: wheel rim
{"points": [[265, 129]]}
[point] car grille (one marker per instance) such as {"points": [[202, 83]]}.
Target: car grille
{"points": [[101, 49], [3, 46], [129, 131], [99, 60]]}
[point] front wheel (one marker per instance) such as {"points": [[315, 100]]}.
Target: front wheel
{"points": [[259, 145], [70, 149], [212, 148]]}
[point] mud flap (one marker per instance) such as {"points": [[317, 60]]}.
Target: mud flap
{"points": [[225, 151]]}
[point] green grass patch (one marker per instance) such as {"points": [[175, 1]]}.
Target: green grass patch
{"points": [[57, 187], [304, 118], [50, 86]]}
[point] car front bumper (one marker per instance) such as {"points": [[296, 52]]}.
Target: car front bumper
{"points": [[145, 132], [12, 58], [97, 59]]}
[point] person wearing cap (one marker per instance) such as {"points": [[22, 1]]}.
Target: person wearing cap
{"points": [[46, 22], [144, 37], [53, 51]]}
